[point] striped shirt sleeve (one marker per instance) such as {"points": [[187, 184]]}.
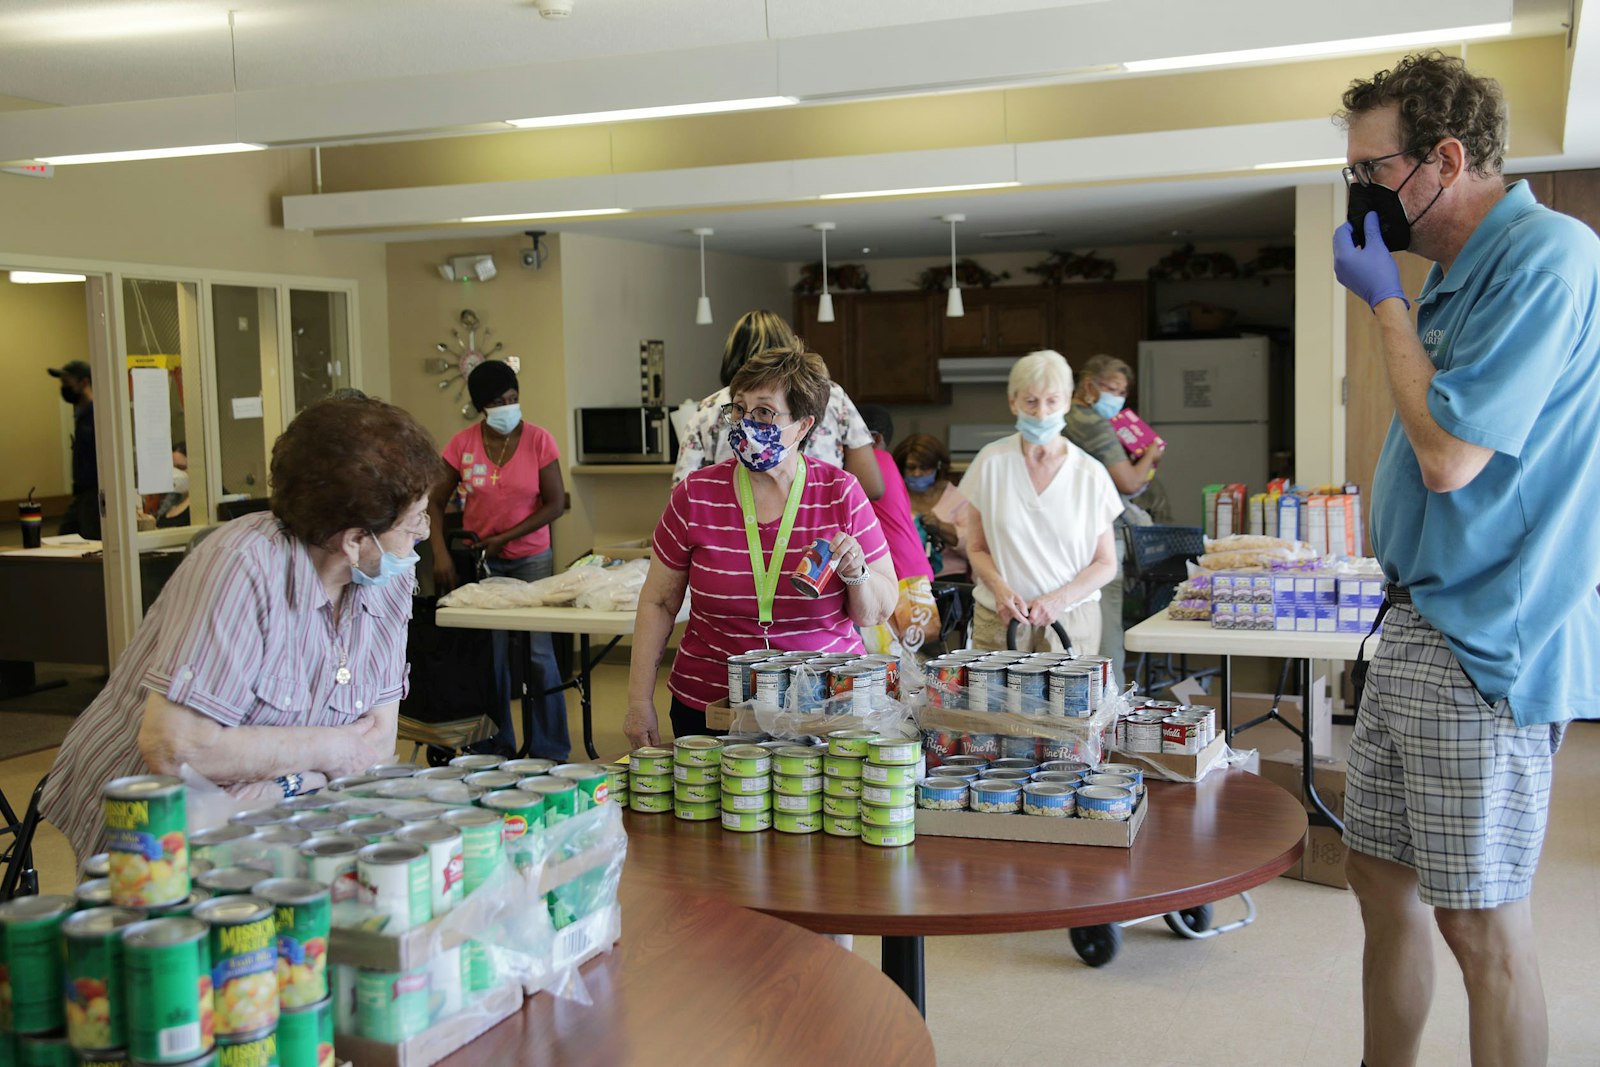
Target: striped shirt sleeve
{"points": [[860, 521], [212, 649], [671, 543]]}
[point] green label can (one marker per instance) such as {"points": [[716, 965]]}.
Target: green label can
{"points": [[697, 812], [94, 893], [478, 971], [44, 1052], [842, 787], [896, 776], [231, 881], [806, 805], [790, 823], [147, 829], [96, 866], [791, 786], [746, 821], [842, 807], [343, 979], [841, 826], [697, 794], [651, 803], [391, 1005], [305, 1036], [331, 861], [216, 845], [94, 996], [687, 774], [443, 843], [560, 797], [167, 966], [31, 963], [652, 783], [594, 782], [522, 816], [889, 836], [482, 849], [889, 796], [248, 1050], [112, 1057], [746, 785], [697, 751], [847, 767], [650, 760], [733, 802], [303, 912], [243, 942], [394, 882], [797, 761]]}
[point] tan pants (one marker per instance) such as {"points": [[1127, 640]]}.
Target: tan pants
{"points": [[1082, 624]]}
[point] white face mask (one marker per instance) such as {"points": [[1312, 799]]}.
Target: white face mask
{"points": [[180, 481]]}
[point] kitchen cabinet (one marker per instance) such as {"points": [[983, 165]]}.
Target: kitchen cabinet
{"points": [[1101, 317], [1571, 192], [998, 322], [827, 339], [878, 346]]}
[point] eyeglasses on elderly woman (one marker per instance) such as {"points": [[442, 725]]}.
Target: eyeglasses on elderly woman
{"points": [[734, 414]]}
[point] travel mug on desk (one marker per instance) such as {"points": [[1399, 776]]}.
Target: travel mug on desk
{"points": [[30, 514]]}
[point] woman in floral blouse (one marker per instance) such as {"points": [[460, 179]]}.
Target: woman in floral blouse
{"points": [[840, 438]]}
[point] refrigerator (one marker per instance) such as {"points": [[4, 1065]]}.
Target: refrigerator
{"points": [[1208, 399]]}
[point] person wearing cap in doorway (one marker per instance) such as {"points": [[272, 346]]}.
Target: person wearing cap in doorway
{"points": [[83, 514]]}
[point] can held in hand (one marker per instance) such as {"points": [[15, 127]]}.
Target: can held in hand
{"points": [[305, 1036], [95, 994], [147, 830], [394, 882], [392, 1005], [816, 568], [166, 963], [304, 916], [30, 963]]}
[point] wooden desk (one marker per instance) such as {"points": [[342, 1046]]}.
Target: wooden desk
{"points": [[1200, 843], [696, 981]]}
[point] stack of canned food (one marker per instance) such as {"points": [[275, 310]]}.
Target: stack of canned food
{"points": [[1068, 686], [1154, 726], [807, 680], [697, 778], [745, 773], [1055, 788]]}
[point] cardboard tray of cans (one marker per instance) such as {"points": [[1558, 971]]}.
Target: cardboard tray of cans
{"points": [[930, 716], [1185, 764], [380, 951], [1040, 828], [720, 718]]}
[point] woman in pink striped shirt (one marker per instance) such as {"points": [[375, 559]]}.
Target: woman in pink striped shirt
{"points": [[733, 533]]}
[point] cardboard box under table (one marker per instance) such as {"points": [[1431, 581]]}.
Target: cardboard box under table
{"points": [[1323, 859]]}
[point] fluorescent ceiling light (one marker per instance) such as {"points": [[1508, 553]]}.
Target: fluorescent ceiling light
{"points": [[630, 114], [924, 189], [41, 277], [152, 153], [1322, 48], [1339, 160], [527, 216]]}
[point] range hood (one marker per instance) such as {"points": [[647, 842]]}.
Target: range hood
{"points": [[975, 369]]}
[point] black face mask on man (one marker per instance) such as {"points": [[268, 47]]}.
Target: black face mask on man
{"points": [[69, 394], [1393, 225]]}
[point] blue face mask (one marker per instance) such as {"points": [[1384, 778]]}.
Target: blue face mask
{"points": [[1109, 404], [1039, 431], [503, 419], [758, 445], [390, 566], [921, 483]]}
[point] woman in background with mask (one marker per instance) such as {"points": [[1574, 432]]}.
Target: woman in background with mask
{"points": [[1039, 529], [734, 532], [1102, 392], [511, 474], [925, 465], [275, 657]]}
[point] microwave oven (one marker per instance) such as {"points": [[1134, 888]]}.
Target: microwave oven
{"points": [[626, 435]]}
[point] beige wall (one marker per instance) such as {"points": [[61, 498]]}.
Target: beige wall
{"points": [[41, 326]]}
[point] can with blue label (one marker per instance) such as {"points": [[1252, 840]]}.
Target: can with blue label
{"points": [[1070, 691], [995, 796], [1110, 803], [816, 568], [1026, 688], [1018, 747], [1049, 799], [942, 794]]}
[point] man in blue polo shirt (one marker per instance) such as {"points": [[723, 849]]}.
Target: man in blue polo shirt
{"points": [[1482, 516]]}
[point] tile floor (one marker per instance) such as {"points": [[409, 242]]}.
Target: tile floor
{"points": [[1284, 991]]}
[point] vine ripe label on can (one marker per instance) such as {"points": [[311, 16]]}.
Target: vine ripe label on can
{"points": [[168, 971], [30, 963], [148, 833], [243, 940], [95, 1008], [304, 915]]}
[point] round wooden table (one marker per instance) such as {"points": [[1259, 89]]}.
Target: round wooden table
{"points": [[1199, 843], [696, 981]]}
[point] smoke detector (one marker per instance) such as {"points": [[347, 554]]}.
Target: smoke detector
{"points": [[554, 9]]}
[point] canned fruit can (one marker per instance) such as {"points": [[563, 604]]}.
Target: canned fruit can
{"points": [[660, 783], [942, 794], [593, 781], [278, 847], [215, 846], [1049, 798], [458, 794], [841, 787], [303, 913], [650, 803], [986, 746], [305, 1035], [995, 796], [331, 861], [893, 751], [482, 844], [260, 818], [522, 815], [392, 1005], [796, 761], [259, 1049], [746, 761], [186, 906], [888, 836], [841, 826], [836, 766], [696, 775], [95, 998], [789, 822], [96, 866], [95, 893], [349, 782], [741, 785], [851, 743], [650, 761], [493, 780], [403, 789], [312, 822], [697, 794], [30, 963], [697, 751], [36, 1051], [887, 814], [895, 796], [746, 821], [1015, 746], [442, 774], [734, 802], [797, 786], [394, 883], [1105, 802], [697, 812], [147, 832], [166, 964], [896, 775], [371, 828], [242, 942], [806, 804]]}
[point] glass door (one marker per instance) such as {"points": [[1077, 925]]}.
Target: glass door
{"points": [[161, 336], [319, 340], [249, 398]]}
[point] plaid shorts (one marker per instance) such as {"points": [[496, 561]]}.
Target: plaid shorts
{"points": [[1440, 781]]}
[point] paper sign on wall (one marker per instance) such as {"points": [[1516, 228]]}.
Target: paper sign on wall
{"points": [[247, 407], [152, 430]]}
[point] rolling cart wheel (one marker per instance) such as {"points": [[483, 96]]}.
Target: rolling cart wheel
{"points": [[1195, 920], [1097, 945]]}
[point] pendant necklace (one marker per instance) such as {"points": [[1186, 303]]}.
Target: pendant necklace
{"points": [[341, 673]]}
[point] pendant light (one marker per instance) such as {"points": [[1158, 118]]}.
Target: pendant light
{"points": [[953, 308], [702, 308], [825, 305]]}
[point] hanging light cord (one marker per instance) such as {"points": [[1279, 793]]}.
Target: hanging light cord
{"points": [[702, 264], [953, 284], [824, 262]]}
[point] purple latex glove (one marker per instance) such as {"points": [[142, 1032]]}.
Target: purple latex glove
{"points": [[1370, 272]]}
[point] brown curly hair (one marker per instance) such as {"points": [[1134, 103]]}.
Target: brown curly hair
{"points": [[1438, 98], [350, 463], [801, 375]]}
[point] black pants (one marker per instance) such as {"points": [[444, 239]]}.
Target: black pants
{"points": [[686, 721], [82, 516]]}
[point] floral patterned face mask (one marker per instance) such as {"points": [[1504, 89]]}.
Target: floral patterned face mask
{"points": [[759, 445]]}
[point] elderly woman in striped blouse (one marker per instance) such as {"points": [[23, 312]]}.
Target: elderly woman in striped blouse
{"points": [[275, 658]]}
